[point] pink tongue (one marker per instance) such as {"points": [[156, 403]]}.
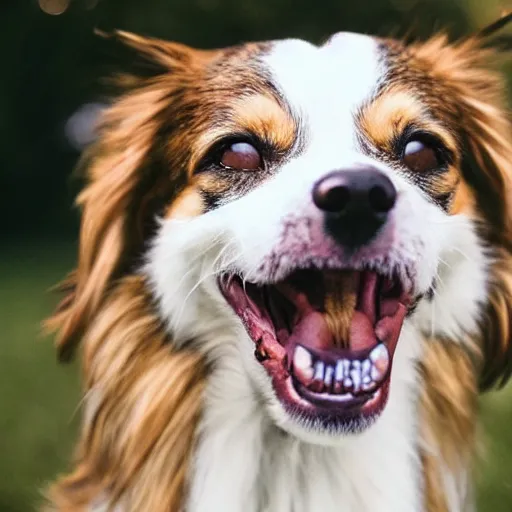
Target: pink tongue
{"points": [[367, 296], [312, 330], [362, 333]]}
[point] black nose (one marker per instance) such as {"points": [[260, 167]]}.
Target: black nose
{"points": [[356, 203]]}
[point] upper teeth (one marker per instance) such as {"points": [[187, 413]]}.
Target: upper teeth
{"points": [[346, 375]]}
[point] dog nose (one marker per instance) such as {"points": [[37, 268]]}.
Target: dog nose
{"points": [[356, 203], [366, 190]]}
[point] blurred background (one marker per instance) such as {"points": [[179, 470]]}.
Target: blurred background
{"points": [[50, 92]]}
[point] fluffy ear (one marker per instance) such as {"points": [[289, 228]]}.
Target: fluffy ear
{"points": [[125, 190], [467, 69]]}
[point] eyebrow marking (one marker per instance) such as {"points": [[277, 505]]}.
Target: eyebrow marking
{"points": [[392, 112], [258, 114], [263, 116]]}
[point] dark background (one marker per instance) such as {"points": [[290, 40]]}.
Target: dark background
{"points": [[50, 84]]}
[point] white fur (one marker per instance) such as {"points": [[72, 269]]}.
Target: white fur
{"points": [[461, 284], [251, 455], [245, 462], [325, 86]]}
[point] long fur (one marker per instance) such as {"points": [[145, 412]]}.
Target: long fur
{"points": [[138, 435], [452, 376]]}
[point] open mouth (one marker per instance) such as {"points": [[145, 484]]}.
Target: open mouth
{"points": [[326, 338]]}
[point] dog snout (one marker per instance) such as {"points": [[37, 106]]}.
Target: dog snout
{"points": [[355, 203]]}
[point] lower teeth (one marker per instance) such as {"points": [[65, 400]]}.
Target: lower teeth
{"points": [[347, 377]]}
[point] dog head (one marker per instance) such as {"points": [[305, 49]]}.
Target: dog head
{"points": [[302, 206]]}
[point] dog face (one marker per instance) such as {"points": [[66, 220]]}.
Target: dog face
{"points": [[328, 202], [313, 203]]}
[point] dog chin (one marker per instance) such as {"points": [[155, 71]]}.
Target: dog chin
{"points": [[304, 429]]}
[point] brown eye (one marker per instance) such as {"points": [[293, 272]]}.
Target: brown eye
{"points": [[419, 156], [241, 156]]}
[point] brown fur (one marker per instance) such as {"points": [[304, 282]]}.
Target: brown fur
{"points": [[136, 442], [392, 111], [340, 304], [138, 435], [448, 411], [464, 200], [188, 204]]}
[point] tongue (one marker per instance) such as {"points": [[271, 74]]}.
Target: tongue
{"points": [[362, 333], [313, 331], [367, 298], [312, 328]]}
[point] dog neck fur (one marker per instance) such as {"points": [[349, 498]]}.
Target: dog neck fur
{"points": [[245, 462]]}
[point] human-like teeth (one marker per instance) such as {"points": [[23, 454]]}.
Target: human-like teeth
{"points": [[318, 377], [379, 356], [368, 385], [339, 371], [303, 365], [346, 367], [365, 369], [356, 380], [375, 374], [328, 378], [344, 377], [338, 377], [319, 370]]}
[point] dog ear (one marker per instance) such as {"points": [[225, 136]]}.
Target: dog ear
{"points": [[488, 168], [489, 134], [123, 193], [490, 36], [145, 57], [469, 69]]}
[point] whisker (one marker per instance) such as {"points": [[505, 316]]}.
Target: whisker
{"points": [[199, 255], [444, 263], [462, 253], [201, 280]]}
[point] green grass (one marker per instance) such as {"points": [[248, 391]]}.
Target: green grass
{"points": [[39, 398], [495, 471]]}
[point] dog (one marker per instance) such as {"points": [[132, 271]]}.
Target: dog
{"points": [[294, 277]]}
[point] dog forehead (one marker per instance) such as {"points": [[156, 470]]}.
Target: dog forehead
{"points": [[332, 80]]}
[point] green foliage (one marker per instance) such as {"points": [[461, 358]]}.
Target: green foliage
{"points": [[38, 399]]}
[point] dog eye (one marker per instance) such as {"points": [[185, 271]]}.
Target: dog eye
{"points": [[420, 156], [241, 156]]}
